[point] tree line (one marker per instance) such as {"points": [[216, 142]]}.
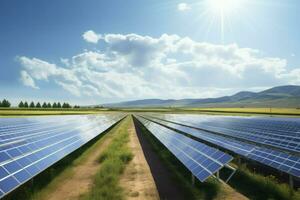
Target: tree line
{"points": [[25, 104], [5, 103], [45, 105]]}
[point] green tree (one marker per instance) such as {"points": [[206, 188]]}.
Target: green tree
{"points": [[54, 105], [44, 105], [58, 105], [21, 104], [66, 105], [26, 104], [32, 105], [5, 103], [38, 105], [49, 105]]}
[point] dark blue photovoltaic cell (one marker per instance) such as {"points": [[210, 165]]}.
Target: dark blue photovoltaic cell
{"points": [[279, 160], [30, 145], [282, 133], [203, 161]]}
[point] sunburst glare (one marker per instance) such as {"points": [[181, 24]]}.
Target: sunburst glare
{"points": [[223, 9]]}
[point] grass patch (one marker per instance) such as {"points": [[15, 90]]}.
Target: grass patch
{"points": [[179, 110], [113, 162], [49, 111], [258, 187], [231, 111], [209, 190], [265, 111]]}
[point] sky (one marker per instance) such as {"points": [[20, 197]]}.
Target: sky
{"points": [[98, 51]]}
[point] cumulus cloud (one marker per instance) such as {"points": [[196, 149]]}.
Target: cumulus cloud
{"points": [[27, 80], [183, 7], [91, 36], [135, 66]]}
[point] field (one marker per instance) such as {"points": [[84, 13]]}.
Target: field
{"points": [[265, 111], [128, 161], [215, 111], [24, 112]]}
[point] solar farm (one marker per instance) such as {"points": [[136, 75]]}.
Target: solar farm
{"points": [[207, 147]]}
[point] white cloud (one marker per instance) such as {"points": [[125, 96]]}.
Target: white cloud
{"points": [[91, 36], [133, 66], [293, 76], [183, 7], [27, 80]]}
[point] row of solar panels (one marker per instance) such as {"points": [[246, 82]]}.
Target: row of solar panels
{"points": [[30, 145], [202, 160], [280, 133], [251, 146]]}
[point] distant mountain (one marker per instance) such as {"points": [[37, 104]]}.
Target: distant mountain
{"points": [[281, 96]]}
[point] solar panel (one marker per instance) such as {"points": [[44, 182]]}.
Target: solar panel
{"points": [[30, 145], [203, 161], [281, 133], [277, 159]]}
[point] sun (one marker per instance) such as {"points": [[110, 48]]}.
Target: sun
{"points": [[224, 11], [223, 7]]}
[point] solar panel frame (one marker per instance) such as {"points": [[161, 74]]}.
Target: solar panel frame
{"points": [[21, 161], [281, 161], [203, 161], [287, 141]]}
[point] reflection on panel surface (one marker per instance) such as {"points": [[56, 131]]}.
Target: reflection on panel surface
{"points": [[30, 145], [243, 136], [203, 161]]}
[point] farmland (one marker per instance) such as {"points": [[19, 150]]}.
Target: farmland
{"points": [[23, 112], [212, 111]]}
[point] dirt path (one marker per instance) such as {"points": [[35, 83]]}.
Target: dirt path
{"points": [[77, 182], [167, 188], [137, 180]]}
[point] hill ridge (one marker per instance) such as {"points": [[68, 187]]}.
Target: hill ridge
{"points": [[279, 96]]}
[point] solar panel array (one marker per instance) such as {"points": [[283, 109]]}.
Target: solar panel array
{"points": [[203, 161], [30, 145], [273, 157], [279, 133]]}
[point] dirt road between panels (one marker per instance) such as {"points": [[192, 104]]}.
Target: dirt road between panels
{"points": [[137, 180], [80, 178], [167, 188]]}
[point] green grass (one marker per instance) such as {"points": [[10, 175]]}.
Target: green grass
{"points": [[267, 111], [209, 190], [259, 187], [39, 111], [44, 183], [217, 111], [212, 111], [113, 162]]}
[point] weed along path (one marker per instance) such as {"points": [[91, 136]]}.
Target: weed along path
{"points": [[78, 178], [229, 193], [115, 180], [137, 180]]}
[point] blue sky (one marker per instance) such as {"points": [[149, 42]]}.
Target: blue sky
{"points": [[94, 51]]}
